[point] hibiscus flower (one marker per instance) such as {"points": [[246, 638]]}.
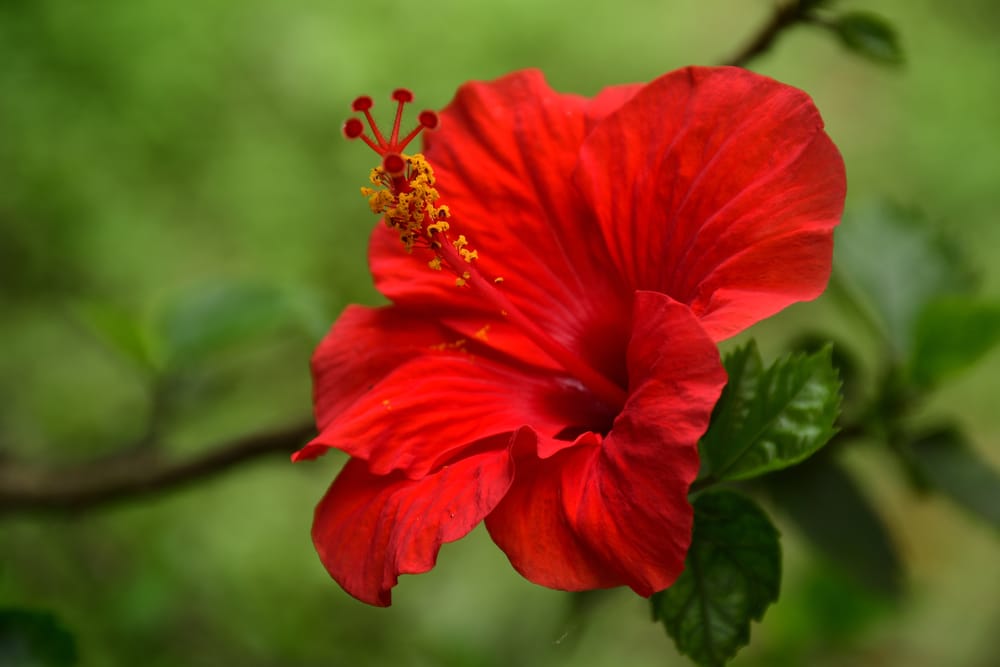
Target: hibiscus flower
{"points": [[560, 270]]}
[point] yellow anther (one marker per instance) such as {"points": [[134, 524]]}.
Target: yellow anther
{"points": [[454, 345], [462, 246], [437, 228], [379, 201], [498, 280], [407, 202], [483, 334]]}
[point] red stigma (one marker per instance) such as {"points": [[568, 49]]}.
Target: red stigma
{"points": [[402, 95], [394, 164], [389, 148], [353, 128], [363, 103], [428, 119]]}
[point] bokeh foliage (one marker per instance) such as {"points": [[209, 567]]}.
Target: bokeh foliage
{"points": [[179, 221]]}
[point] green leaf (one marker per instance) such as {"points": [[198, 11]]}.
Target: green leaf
{"points": [[950, 335], [832, 513], [951, 465], [731, 575], [893, 263], [869, 35], [216, 317], [118, 330], [31, 638], [845, 362], [770, 419]]}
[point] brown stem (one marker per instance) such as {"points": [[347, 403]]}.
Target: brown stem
{"points": [[86, 486], [786, 14]]}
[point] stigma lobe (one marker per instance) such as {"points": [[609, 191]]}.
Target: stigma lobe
{"points": [[389, 149]]}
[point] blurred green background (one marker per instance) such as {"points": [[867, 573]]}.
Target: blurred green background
{"points": [[179, 223]]}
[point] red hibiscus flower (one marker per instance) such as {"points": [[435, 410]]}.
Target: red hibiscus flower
{"points": [[548, 361]]}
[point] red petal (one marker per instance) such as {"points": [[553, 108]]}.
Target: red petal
{"points": [[430, 409], [611, 99], [598, 516], [503, 158], [363, 346], [369, 529], [534, 524], [718, 187]]}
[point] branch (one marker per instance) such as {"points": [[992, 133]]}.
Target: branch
{"points": [[785, 16], [91, 485]]}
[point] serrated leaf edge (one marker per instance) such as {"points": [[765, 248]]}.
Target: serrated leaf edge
{"points": [[825, 354]]}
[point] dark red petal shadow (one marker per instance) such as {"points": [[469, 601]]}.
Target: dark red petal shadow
{"points": [[597, 516]]}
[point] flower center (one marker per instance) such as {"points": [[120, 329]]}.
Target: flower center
{"points": [[408, 202]]}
